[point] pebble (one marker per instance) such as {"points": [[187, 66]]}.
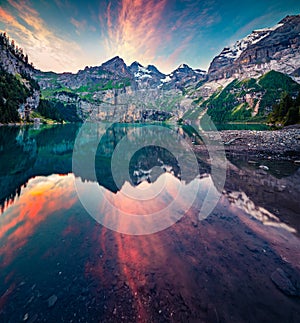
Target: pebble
{"points": [[263, 167], [279, 144], [52, 300]]}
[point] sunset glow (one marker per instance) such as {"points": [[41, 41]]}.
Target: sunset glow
{"points": [[41, 198], [66, 36]]}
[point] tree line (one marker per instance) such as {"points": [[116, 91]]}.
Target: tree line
{"points": [[14, 49], [58, 111], [12, 94], [286, 111]]}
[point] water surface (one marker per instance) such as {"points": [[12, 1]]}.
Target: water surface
{"points": [[58, 264], [242, 126]]}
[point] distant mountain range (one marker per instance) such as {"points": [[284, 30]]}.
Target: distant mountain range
{"points": [[136, 93]]}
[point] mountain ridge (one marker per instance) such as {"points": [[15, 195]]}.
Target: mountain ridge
{"points": [[114, 82], [276, 48]]}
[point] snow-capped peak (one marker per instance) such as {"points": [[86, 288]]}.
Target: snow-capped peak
{"points": [[183, 67], [236, 50], [269, 29], [143, 69], [142, 72]]}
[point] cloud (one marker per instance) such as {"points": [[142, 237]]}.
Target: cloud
{"points": [[159, 32], [65, 4], [133, 29], [174, 58], [48, 50], [80, 25], [153, 31], [194, 15]]}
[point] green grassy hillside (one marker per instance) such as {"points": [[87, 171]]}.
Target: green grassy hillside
{"points": [[250, 99]]}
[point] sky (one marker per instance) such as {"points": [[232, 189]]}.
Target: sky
{"points": [[65, 35]]}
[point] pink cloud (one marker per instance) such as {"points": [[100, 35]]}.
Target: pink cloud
{"points": [[147, 32], [46, 48], [79, 25], [133, 30]]}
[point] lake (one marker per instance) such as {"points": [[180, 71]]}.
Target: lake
{"points": [[242, 126], [124, 223]]}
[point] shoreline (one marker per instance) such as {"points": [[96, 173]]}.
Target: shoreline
{"points": [[281, 144]]}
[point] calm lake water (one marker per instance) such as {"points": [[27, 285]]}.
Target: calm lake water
{"points": [[242, 126], [73, 247]]}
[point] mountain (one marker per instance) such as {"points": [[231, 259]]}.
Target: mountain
{"points": [[250, 99], [110, 74], [276, 48], [113, 86], [117, 67], [12, 58], [19, 92], [243, 83], [146, 77], [183, 77]]}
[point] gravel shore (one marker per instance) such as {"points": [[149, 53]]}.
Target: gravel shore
{"points": [[276, 145]]}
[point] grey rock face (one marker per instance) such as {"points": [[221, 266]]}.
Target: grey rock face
{"points": [[182, 77], [276, 48]]}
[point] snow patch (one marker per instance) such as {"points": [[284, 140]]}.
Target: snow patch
{"points": [[271, 28], [142, 72], [256, 36], [166, 79]]}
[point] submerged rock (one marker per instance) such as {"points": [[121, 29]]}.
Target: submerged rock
{"points": [[282, 282], [52, 300]]}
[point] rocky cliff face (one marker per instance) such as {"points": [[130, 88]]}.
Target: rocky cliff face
{"points": [[146, 77], [13, 61], [276, 48], [250, 99], [113, 73], [117, 91], [183, 77], [117, 68]]}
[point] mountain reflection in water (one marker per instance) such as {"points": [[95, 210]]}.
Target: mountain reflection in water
{"points": [[215, 270]]}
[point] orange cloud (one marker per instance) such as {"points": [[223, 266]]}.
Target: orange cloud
{"points": [[147, 32], [134, 33], [10, 20], [45, 48], [80, 25], [174, 57], [5, 16]]}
